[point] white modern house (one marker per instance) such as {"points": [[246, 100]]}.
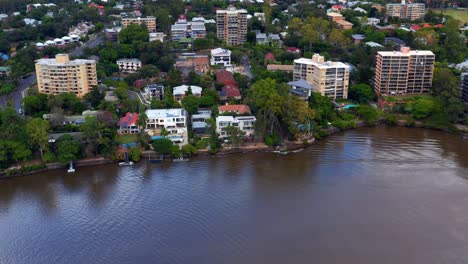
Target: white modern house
{"points": [[153, 36], [220, 56], [174, 121], [199, 121], [129, 65], [245, 124]]}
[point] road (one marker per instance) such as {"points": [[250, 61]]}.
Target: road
{"points": [[92, 43], [17, 95], [247, 67]]}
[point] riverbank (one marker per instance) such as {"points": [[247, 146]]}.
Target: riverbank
{"points": [[288, 146]]}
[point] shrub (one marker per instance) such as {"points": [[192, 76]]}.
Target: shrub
{"points": [[135, 154], [49, 157], [202, 143], [390, 119], [410, 122], [25, 169], [272, 140]]}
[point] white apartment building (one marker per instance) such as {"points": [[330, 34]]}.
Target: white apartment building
{"points": [[327, 77], [231, 25], [60, 75], [244, 123], [183, 29], [154, 91], [173, 121], [220, 56], [129, 65]]}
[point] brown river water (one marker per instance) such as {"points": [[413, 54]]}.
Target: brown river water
{"points": [[371, 195]]}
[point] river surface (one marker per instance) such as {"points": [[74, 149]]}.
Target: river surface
{"points": [[372, 195]]}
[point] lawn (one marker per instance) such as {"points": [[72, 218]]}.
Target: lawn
{"points": [[127, 138], [460, 15]]}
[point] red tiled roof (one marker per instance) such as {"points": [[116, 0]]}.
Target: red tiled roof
{"points": [[439, 25], [128, 120], [241, 109], [425, 25], [270, 56], [292, 49], [231, 91], [225, 77], [415, 27]]}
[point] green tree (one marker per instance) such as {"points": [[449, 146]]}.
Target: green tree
{"points": [[369, 114], [94, 97], [133, 34], [361, 93], [324, 108], [422, 107], [135, 154], [189, 150], [191, 103], [35, 104], [68, 149], [37, 129], [235, 135], [20, 151], [92, 131], [163, 146]]}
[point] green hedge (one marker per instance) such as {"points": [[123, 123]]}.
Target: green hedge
{"points": [[25, 169]]}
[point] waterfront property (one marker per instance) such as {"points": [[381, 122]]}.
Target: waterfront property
{"points": [[327, 77], [60, 75], [246, 124], [128, 124], [172, 121], [404, 72], [199, 122]]}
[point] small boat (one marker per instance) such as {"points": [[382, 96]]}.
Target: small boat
{"points": [[126, 162], [71, 169], [297, 150], [180, 159]]}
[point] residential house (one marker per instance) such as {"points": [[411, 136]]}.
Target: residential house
{"points": [[187, 62], [153, 36], [199, 121], [357, 38], [112, 34], [343, 24], [245, 124], [110, 97], [128, 124], [154, 91], [179, 92], [220, 56], [81, 29], [238, 109], [301, 88], [372, 21], [174, 121], [230, 91], [5, 70]]}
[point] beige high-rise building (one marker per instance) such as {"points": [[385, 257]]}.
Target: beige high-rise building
{"points": [[149, 22], [404, 72], [231, 25], [411, 11], [327, 77], [60, 75]]}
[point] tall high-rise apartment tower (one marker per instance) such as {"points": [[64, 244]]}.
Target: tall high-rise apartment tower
{"points": [[60, 75], [404, 72], [330, 78], [231, 25], [411, 11]]}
